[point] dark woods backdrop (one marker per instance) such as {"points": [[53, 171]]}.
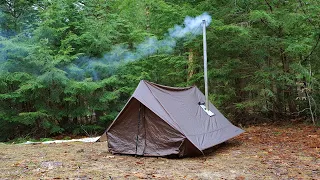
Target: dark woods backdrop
{"points": [[65, 66]]}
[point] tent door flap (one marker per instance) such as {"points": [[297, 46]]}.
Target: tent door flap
{"points": [[140, 138]]}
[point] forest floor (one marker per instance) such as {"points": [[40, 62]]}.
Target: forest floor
{"points": [[262, 152]]}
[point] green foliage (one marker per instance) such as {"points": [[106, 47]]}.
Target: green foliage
{"points": [[22, 140], [89, 130], [30, 118], [46, 139], [56, 75]]}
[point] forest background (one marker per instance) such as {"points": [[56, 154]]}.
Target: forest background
{"points": [[65, 66]]}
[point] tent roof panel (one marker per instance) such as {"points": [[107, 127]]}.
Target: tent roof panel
{"points": [[183, 110]]}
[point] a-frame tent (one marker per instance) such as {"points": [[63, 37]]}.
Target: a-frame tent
{"points": [[159, 121]]}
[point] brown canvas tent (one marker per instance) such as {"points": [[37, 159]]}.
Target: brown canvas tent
{"points": [[159, 121]]}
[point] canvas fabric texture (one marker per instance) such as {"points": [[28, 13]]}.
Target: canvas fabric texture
{"points": [[160, 121]]}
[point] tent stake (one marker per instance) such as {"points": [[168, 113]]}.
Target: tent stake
{"points": [[205, 64]]}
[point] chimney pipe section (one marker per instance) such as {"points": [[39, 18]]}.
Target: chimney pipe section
{"points": [[205, 64]]}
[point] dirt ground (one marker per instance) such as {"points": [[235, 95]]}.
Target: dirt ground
{"points": [[262, 152]]}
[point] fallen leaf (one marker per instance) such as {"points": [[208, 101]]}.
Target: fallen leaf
{"points": [[141, 175], [240, 178]]}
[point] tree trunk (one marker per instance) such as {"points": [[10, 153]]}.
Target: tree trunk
{"points": [[288, 92], [147, 10], [190, 64]]}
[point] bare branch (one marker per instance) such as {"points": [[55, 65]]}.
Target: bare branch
{"points": [[314, 25], [270, 7], [265, 23], [305, 13], [310, 108], [314, 48], [300, 111]]}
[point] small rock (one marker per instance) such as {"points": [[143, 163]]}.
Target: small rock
{"points": [[50, 164], [104, 153], [80, 151]]}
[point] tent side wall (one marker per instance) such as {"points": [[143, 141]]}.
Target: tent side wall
{"points": [[156, 137], [161, 139], [188, 149], [122, 133]]}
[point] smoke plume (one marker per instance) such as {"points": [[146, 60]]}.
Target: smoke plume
{"points": [[151, 45], [98, 68]]}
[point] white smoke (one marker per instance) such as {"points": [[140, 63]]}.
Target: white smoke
{"points": [[191, 27]]}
